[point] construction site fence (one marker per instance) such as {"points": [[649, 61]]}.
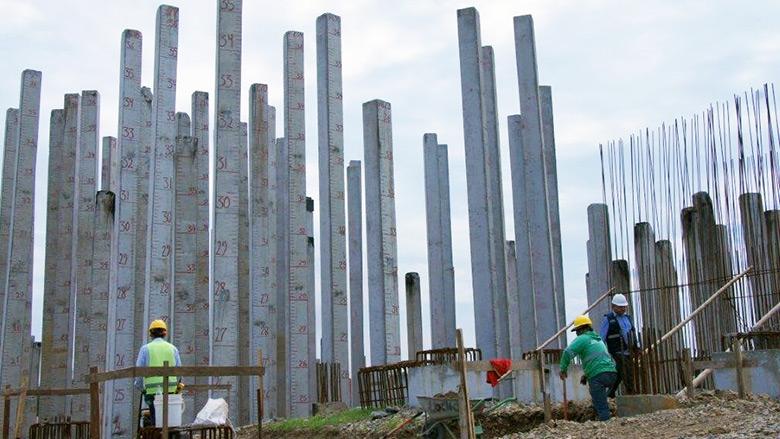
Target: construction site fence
{"points": [[328, 382]]}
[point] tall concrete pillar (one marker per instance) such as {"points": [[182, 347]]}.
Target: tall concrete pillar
{"points": [[772, 218], [551, 173], [159, 245], [262, 311], [599, 257], [355, 211], [644, 249], [103, 227], [384, 318], [668, 313], [434, 234], [143, 173], [225, 343], [185, 276], [200, 131], [496, 205], [282, 263], [333, 249], [728, 301], [756, 235], [244, 299], [10, 141], [19, 275], [542, 261], [127, 232], [621, 279], [312, 345], [298, 298], [529, 336], [59, 366], [478, 191], [446, 248], [414, 331], [50, 288], [83, 235]]}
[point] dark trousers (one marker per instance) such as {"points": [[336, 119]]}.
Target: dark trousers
{"points": [[598, 387], [624, 375], [149, 398]]}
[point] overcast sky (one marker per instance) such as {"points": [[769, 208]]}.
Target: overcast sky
{"points": [[615, 67]]}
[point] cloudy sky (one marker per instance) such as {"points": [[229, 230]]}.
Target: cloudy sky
{"points": [[615, 67]]}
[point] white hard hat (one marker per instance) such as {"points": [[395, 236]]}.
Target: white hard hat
{"points": [[619, 300]]}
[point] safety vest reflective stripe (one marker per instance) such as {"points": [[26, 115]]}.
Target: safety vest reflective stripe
{"points": [[160, 352]]}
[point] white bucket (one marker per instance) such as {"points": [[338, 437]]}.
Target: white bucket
{"points": [[175, 409]]}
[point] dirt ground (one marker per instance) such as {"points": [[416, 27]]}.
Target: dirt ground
{"points": [[709, 415]]}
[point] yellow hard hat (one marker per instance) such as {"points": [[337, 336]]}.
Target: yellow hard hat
{"points": [[581, 321], [158, 324]]}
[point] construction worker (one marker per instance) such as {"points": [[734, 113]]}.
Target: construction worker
{"points": [[619, 334], [155, 354], [599, 367]]}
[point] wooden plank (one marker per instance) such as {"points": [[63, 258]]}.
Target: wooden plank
{"points": [[165, 402], [208, 371], [545, 396], [736, 346], [485, 366], [260, 401], [688, 369], [727, 364], [94, 406], [6, 413], [466, 421], [20, 408], [202, 387]]}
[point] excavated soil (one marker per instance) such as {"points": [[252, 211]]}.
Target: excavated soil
{"points": [[709, 415]]}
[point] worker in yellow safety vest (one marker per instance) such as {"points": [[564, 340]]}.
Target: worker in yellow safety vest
{"points": [[155, 354]]}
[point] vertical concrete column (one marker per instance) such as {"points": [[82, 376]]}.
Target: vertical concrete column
{"points": [[108, 162], [621, 279], [474, 127], [144, 155], [56, 137], [225, 343], [83, 235], [10, 142], [60, 367], [333, 249], [200, 131], [127, 232], [599, 257], [414, 331], [513, 302], [446, 248], [644, 254], [159, 245], [536, 179], [434, 234], [756, 244], [441, 282], [103, 227], [381, 233], [312, 345], [728, 300], [19, 276], [711, 271], [772, 218], [355, 211], [244, 295], [551, 173], [529, 337], [283, 278], [262, 302], [496, 205], [668, 314], [185, 276], [298, 298]]}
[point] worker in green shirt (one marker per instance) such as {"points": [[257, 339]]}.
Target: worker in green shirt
{"points": [[600, 371]]}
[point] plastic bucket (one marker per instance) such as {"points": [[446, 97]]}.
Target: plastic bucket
{"points": [[175, 409]]}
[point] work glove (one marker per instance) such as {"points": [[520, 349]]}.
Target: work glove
{"points": [[562, 375], [583, 380], [179, 387]]}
